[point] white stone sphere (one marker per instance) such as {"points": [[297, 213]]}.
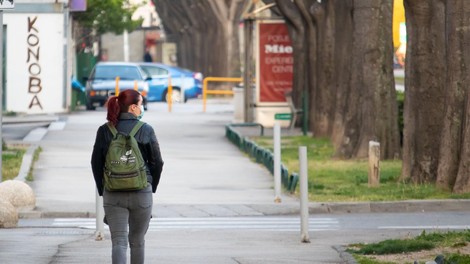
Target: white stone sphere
{"points": [[18, 193], [8, 215]]}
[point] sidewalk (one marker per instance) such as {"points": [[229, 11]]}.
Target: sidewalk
{"points": [[204, 176]]}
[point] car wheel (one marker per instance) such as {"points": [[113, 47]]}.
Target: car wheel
{"points": [[90, 106], [175, 96]]}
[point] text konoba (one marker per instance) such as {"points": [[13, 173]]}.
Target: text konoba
{"points": [[34, 68]]}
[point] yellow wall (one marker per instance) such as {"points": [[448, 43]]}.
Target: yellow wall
{"points": [[398, 17]]}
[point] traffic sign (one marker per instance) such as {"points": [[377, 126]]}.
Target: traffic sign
{"points": [[7, 4], [283, 116]]}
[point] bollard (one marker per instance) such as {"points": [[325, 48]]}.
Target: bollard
{"points": [[99, 234], [303, 195], [169, 94], [116, 88], [374, 164], [277, 162]]}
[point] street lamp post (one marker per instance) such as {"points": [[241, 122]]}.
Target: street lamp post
{"points": [[10, 4]]}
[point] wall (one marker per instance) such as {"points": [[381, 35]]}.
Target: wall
{"points": [[113, 50], [37, 65]]}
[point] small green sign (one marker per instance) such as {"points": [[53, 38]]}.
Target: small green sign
{"points": [[283, 116]]}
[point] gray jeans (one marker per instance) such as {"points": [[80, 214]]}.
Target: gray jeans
{"points": [[128, 216]]}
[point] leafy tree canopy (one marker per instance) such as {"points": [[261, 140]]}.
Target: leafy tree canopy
{"points": [[108, 16]]}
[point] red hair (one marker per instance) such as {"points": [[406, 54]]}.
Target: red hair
{"points": [[120, 104]]}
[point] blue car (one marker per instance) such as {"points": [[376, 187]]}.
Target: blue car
{"points": [[185, 83], [101, 84]]}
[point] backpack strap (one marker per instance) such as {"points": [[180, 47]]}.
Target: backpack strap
{"points": [[112, 128], [136, 128]]}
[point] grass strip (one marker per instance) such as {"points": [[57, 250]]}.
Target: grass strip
{"points": [[11, 162], [337, 180], [448, 242]]}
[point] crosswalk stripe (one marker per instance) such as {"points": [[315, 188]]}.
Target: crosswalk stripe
{"points": [[259, 223]]}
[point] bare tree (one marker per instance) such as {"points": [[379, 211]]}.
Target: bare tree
{"points": [[372, 112], [424, 94], [343, 35], [360, 104], [205, 32], [454, 156], [298, 35]]}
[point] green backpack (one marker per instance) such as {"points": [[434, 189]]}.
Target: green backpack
{"points": [[124, 168]]}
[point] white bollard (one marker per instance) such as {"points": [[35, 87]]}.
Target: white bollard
{"points": [[303, 178], [277, 161], [99, 233]]}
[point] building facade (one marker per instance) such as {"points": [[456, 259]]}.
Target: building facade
{"points": [[37, 68]]}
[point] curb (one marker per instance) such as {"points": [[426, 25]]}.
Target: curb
{"points": [[280, 209], [29, 119], [26, 163], [344, 255], [406, 206]]}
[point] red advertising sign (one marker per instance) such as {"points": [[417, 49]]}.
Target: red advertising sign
{"points": [[275, 63]]}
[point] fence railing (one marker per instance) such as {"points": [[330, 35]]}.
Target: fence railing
{"points": [[261, 155], [205, 91]]}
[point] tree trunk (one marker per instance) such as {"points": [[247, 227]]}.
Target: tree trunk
{"points": [[204, 31], [372, 111], [297, 33], [342, 65], [325, 93], [424, 93], [453, 169], [311, 60]]}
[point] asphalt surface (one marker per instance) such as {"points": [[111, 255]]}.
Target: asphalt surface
{"points": [[205, 178]]}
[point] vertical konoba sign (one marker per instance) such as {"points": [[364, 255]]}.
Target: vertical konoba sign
{"points": [[275, 63], [33, 63], [34, 72]]}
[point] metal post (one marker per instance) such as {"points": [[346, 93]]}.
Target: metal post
{"points": [[303, 195], [66, 57], [277, 162], [304, 112], [116, 88], [4, 5], [248, 73], [1, 91], [169, 93], [99, 234], [126, 45]]}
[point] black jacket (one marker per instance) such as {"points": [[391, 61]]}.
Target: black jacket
{"points": [[148, 146]]}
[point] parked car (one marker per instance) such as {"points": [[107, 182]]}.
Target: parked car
{"points": [[101, 84], [185, 84]]}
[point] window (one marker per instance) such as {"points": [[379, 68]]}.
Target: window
{"points": [[107, 72], [154, 71]]}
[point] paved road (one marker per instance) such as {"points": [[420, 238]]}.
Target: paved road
{"points": [[328, 222], [273, 239]]}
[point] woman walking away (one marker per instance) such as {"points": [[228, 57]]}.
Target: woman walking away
{"points": [[127, 206]]}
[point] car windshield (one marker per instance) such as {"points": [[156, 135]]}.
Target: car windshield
{"points": [[107, 72], [154, 71]]}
